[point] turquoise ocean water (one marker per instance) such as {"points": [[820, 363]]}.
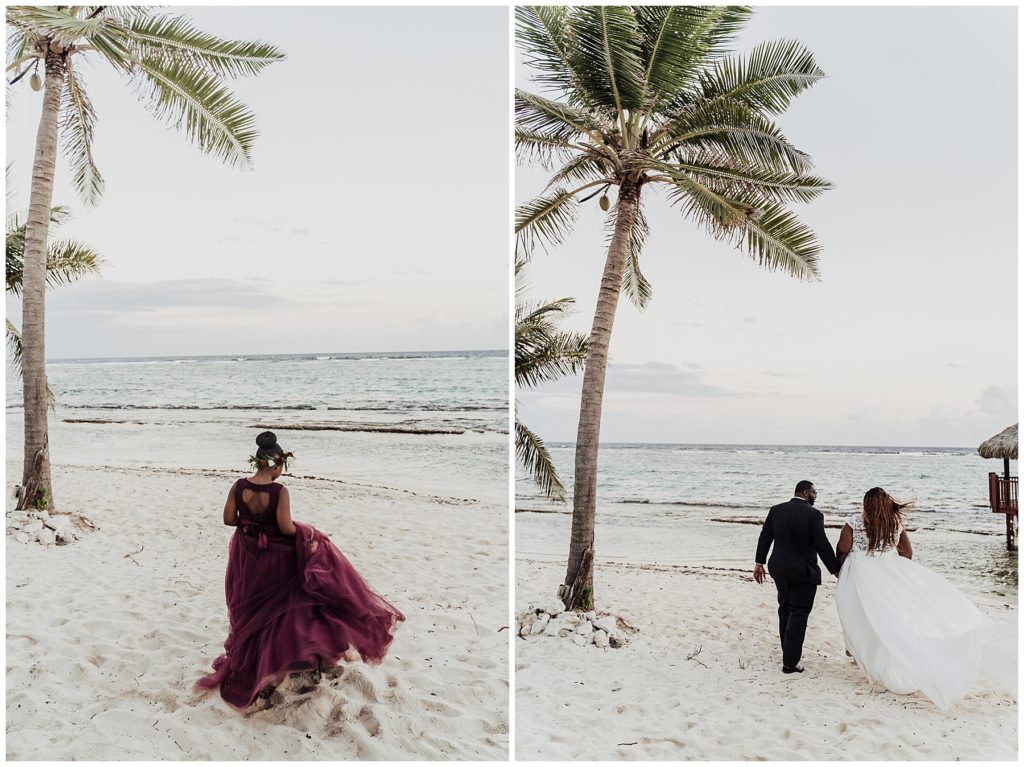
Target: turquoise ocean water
{"points": [[426, 421]]}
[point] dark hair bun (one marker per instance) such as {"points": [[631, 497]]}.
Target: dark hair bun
{"points": [[266, 439]]}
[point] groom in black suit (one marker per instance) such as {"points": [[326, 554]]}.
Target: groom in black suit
{"points": [[797, 530]]}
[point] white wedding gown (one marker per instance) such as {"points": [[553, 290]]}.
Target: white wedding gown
{"points": [[910, 629]]}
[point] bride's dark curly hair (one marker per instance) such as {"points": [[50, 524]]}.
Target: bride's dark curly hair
{"points": [[883, 519]]}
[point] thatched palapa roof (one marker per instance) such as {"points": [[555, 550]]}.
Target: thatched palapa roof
{"points": [[1003, 445]]}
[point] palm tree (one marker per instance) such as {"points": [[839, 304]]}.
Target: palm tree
{"points": [[177, 70], [650, 97], [543, 353], [66, 261]]}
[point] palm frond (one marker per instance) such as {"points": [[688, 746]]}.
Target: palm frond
{"points": [[582, 168], [68, 261], [721, 214], [176, 38], [546, 43], [767, 79], [122, 13], [15, 345], [194, 100], [59, 214], [17, 47], [740, 177], [606, 56], [770, 234], [543, 352], [777, 240], [53, 22], [534, 456], [544, 221], [743, 134], [78, 119], [111, 42], [720, 27], [15, 261], [555, 120], [636, 287], [677, 40], [541, 148], [543, 356]]}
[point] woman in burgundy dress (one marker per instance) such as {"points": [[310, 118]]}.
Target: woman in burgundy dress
{"points": [[294, 602]]}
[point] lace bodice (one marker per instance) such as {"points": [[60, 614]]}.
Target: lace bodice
{"points": [[860, 535]]}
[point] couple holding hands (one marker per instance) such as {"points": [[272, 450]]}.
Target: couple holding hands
{"points": [[907, 628]]}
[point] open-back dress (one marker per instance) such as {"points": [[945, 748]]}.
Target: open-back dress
{"points": [[292, 601]]}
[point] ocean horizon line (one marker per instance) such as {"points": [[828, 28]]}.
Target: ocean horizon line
{"points": [[766, 446], [407, 353]]}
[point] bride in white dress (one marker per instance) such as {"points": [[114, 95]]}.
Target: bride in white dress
{"points": [[908, 628]]}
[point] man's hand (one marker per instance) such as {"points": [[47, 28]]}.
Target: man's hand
{"points": [[759, 573]]}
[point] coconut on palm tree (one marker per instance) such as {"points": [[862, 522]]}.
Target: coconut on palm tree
{"points": [[544, 353], [646, 97], [177, 70]]}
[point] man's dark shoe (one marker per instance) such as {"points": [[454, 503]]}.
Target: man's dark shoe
{"points": [[792, 669]]}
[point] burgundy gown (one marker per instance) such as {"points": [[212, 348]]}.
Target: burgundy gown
{"points": [[291, 602]]}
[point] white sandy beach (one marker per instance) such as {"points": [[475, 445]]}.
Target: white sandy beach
{"points": [[105, 637], [728, 700]]}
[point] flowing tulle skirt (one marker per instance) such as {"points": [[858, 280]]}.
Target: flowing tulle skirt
{"points": [[292, 603], [909, 629]]}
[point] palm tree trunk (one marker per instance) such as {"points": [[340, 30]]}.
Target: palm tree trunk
{"points": [[37, 489], [579, 576]]}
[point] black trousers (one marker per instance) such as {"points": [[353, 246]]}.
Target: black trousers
{"points": [[795, 603]]}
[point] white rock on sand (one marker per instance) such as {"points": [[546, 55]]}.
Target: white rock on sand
{"points": [[540, 624], [702, 681], [103, 648]]}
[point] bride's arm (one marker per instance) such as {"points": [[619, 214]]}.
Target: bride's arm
{"points": [[230, 509], [903, 547], [845, 545], [284, 513]]}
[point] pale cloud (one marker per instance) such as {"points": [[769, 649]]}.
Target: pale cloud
{"points": [[998, 402], [109, 296], [661, 378]]}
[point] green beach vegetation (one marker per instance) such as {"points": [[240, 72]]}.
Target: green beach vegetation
{"points": [[179, 74], [543, 353], [67, 261], [645, 97]]}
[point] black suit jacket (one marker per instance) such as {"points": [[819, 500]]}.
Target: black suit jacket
{"points": [[795, 531]]}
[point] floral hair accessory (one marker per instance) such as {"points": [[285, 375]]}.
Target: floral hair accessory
{"points": [[255, 461]]}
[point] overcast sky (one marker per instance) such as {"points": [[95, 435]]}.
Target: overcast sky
{"points": [[376, 218], [911, 336]]}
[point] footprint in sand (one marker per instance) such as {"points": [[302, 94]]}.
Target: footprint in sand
{"points": [[369, 720], [361, 682]]}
